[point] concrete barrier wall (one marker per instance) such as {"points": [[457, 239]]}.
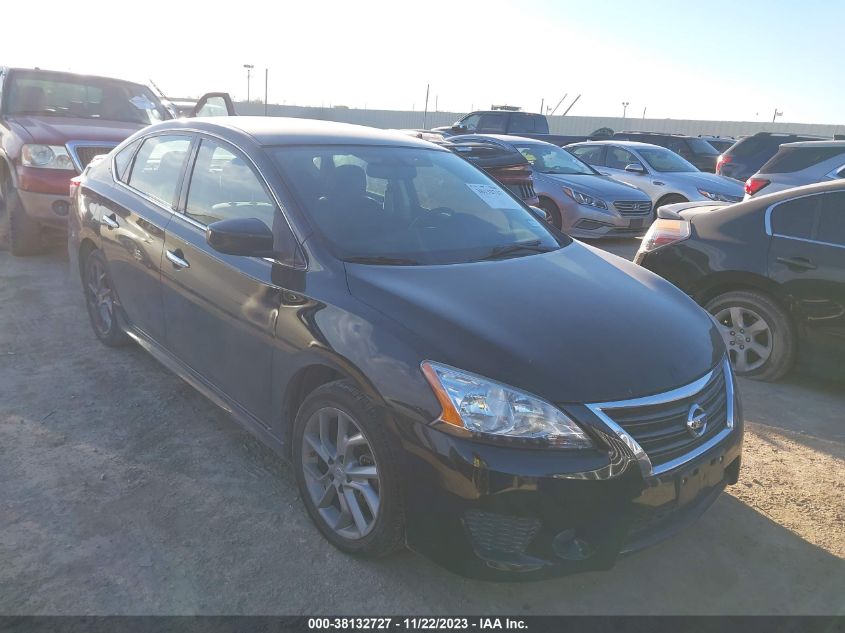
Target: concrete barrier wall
{"points": [[574, 125]]}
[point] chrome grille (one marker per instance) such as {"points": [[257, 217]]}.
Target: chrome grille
{"points": [[661, 429], [632, 207], [82, 154], [524, 191]]}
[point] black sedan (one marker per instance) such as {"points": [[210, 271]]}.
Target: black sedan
{"points": [[442, 368], [770, 270]]}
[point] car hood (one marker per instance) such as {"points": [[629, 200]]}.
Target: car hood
{"points": [[575, 325], [59, 130], [709, 182], [597, 186]]}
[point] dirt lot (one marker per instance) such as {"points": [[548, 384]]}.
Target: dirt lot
{"points": [[123, 491]]}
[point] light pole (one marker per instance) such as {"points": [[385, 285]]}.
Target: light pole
{"points": [[776, 114], [625, 105], [249, 68]]}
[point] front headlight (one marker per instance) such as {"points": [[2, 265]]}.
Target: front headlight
{"points": [[583, 198], [46, 157], [716, 197], [487, 408]]}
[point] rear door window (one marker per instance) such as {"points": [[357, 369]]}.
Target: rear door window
{"points": [[522, 123], [792, 159], [832, 219], [795, 218], [591, 154], [123, 159], [157, 169]]}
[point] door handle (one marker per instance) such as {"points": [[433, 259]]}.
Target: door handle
{"points": [[177, 258], [109, 221], [801, 263]]}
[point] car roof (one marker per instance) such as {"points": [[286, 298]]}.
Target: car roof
{"points": [[270, 130], [73, 74], [840, 144], [621, 143], [503, 139]]}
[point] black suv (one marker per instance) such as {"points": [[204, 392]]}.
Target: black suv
{"points": [[747, 156], [695, 150]]}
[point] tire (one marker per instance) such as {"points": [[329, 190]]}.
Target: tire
{"points": [[101, 301], [554, 213], [19, 232], [768, 347], [315, 477], [671, 198]]}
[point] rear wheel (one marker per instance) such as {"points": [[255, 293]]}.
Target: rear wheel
{"points": [[19, 232], [757, 332], [346, 471], [100, 300]]}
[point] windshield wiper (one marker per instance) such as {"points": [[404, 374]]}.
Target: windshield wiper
{"points": [[378, 259], [508, 249]]}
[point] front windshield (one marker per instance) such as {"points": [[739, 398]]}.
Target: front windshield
{"points": [[407, 206], [67, 95], [664, 160], [551, 159]]}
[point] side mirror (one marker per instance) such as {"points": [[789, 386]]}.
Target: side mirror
{"points": [[249, 237], [457, 126], [635, 168], [540, 214]]}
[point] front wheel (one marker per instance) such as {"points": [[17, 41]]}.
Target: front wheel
{"points": [[553, 212], [757, 332], [100, 300], [19, 232], [672, 198], [346, 471]]}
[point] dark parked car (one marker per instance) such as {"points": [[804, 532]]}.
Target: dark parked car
{"points": [[720, 143], [51, 125], [692, 148], [771, 270], [443, 369], [524, 124], [748, 154]]}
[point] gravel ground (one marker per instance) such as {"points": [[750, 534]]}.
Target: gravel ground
{"points": [[126, 492]]}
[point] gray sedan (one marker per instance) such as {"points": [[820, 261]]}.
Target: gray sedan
{"points": [[661, 173], [579, 200]]}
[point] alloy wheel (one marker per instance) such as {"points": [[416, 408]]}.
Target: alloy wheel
{"points": [[100, 297], [747, 336], [341, 473]]}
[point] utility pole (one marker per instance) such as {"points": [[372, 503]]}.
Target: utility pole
{"points": [[266, 75], [542, 103], [644, 114], [776, 115], [249, 68], [425, 112], [625, 105]]}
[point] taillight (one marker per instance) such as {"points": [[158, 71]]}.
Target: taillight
{"points": [[753, 185], [74, 185], [724, 159], [662, 232]]}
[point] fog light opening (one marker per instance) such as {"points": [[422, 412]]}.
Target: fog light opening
{"points": [[61, 207], [568, 546]]}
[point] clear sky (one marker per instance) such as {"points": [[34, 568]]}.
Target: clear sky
{"points": [[707, 59]]}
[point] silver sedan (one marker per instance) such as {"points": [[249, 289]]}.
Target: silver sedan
{"points": [[578, 199], [661, 173]]}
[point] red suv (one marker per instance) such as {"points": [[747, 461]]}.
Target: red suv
{"points": [[51, 125]]}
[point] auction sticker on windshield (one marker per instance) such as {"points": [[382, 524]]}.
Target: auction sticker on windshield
{"points": [[493, 196]]}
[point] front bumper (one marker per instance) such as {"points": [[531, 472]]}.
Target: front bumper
{"points": [[44, 194], [500, 513], [583, 221]]}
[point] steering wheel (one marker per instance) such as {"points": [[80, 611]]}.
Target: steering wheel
{"points": [[442, 212]]}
